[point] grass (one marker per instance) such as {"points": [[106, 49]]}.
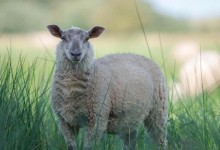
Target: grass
{"points": [[25, 117], [194, 124], [27, 122]]}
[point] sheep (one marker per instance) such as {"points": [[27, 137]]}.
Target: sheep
{"points": [[198, 74], [114, 94], [184, 50]]}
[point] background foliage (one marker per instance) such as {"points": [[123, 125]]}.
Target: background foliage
{"points": [[27, 61], [118, 16]]}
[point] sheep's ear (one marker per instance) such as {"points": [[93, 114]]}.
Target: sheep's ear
{"points": [[96, 31], [55, 30]]}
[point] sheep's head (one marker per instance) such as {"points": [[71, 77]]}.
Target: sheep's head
{"points": [[75, 41]]}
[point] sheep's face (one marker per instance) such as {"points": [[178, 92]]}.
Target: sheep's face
{"points": [[75, 44], [75, 41]]}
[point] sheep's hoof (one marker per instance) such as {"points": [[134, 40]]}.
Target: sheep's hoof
{"points": [[71, 148]]}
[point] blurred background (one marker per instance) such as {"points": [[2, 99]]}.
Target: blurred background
{"points": [[176, 30], [118, 16], [181, 36], [23, 22]]}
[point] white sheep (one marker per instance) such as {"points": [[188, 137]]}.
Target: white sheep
{"points": [[198, 74], [116, 93], [185, 50]]}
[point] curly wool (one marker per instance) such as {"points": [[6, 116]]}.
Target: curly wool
{"points": [[116, 93]]}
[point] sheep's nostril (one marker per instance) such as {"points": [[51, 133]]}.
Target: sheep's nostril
{"points": [[75, 54]]}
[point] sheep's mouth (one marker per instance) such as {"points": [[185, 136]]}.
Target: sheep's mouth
{"points": [[75, 59]]}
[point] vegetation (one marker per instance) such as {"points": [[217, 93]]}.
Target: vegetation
{"points": [[23, 15], [27, 122], [26, 118]]}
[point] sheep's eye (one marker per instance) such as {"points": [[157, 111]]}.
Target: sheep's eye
{"points": [[63, 37], [87, 38]]}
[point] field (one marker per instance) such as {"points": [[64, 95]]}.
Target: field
{"points": [[26, 68]]}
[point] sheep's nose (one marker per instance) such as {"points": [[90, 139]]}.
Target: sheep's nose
{"points": [[75, 54]]}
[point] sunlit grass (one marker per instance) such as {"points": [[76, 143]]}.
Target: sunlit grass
{"points": [[25, 116], [27, 122]]}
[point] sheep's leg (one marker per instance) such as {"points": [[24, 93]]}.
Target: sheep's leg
{"points": [[96, 127], [157, 119], [68, 133], [157, 132], [94, 133], [98, 114], [130, 140]]}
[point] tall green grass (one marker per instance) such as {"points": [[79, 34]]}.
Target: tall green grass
{"points": [[25, 116], [27, 121]]}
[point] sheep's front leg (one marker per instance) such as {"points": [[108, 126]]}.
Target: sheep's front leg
{"points": [[98, 107], [94, 133], [68, 133], [129, 140]]}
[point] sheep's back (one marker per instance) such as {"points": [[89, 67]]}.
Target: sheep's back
{"points": [[126, 67], [133, 82]]}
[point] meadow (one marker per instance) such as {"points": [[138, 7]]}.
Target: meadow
{"points": [[26, 118]]}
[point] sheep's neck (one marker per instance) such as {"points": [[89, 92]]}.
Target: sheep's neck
{"points": [[74, 78], [83, 69]]}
